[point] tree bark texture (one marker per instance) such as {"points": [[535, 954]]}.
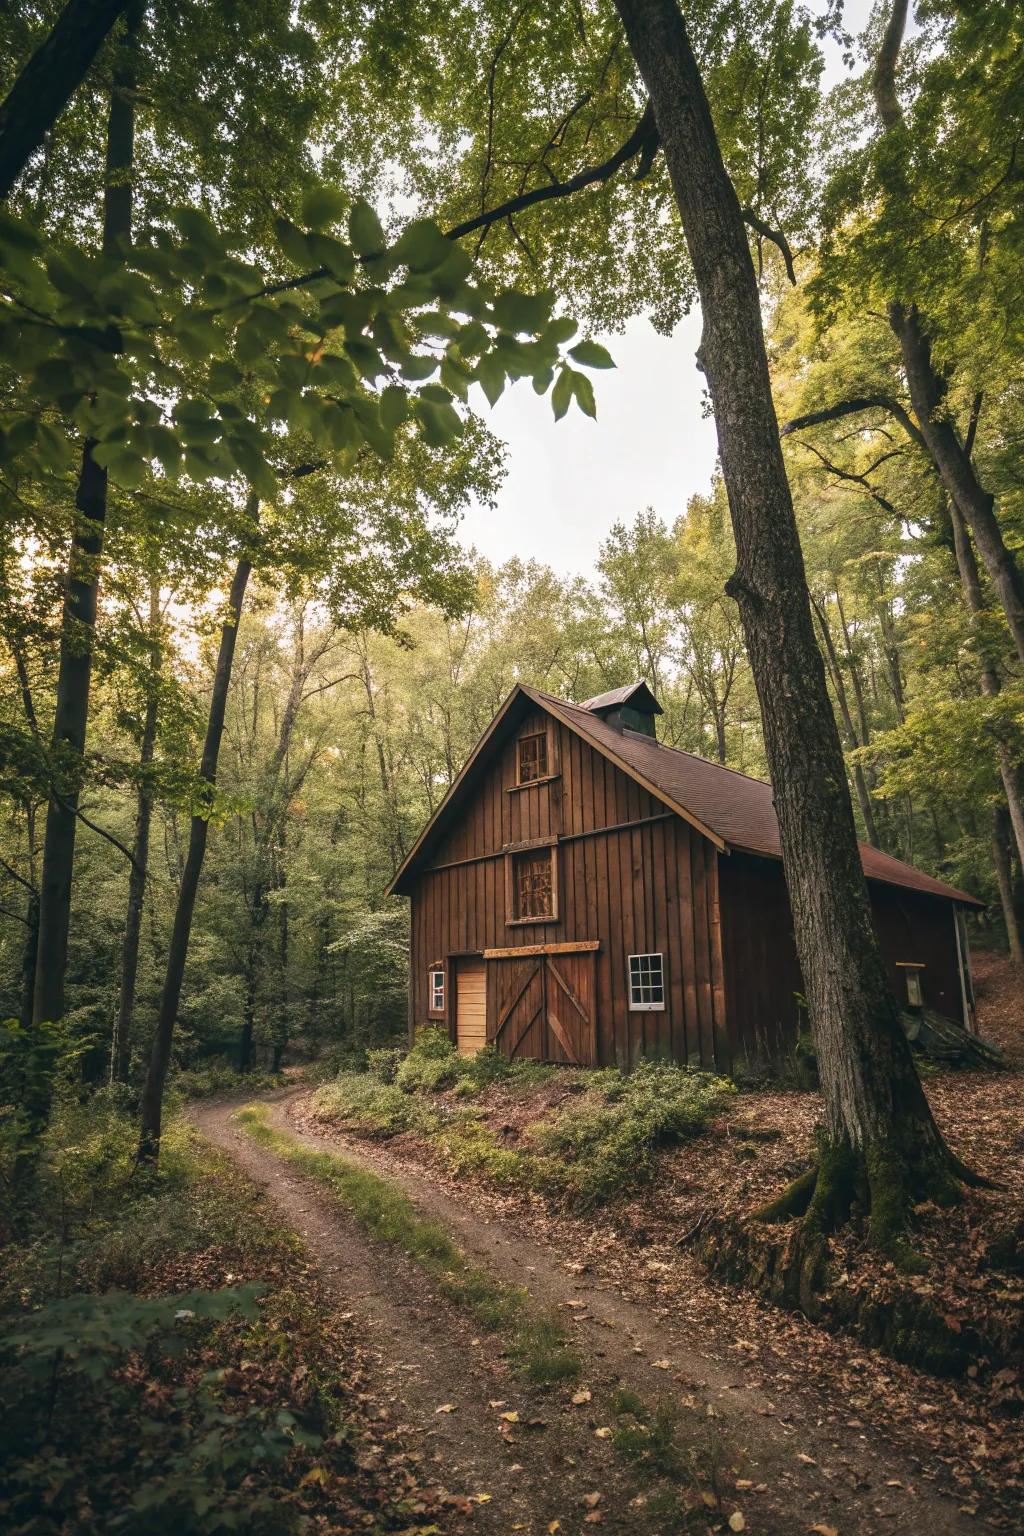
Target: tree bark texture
{"points": [[120, 1056], [881, 1144], [151, 1110], [49, 80], [81, 595]]}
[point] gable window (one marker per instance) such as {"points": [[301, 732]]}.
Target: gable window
{"points": [[435, 995], [646, 983], [533, 884], [533, 757]]}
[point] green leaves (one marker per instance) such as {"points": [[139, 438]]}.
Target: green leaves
{"points": [[365, 230], [322, 206], [591, 354], [571, 385], [178, 358]]}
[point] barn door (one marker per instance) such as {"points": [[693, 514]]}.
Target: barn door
{"points": [[544, 1008]]}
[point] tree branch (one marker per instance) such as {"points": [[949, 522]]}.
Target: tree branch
{"points": [[19, 878], [861, 480], [851, 408], [594, 175], [883, 79], [776, 236]]}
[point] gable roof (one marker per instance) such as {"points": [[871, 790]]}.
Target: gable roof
{"points": [[731, 809]]}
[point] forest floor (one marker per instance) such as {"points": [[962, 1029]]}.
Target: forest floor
{"points": [[775, 1425]]}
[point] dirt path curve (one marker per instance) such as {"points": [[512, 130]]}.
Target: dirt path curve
{"points": [[792, 1474]]}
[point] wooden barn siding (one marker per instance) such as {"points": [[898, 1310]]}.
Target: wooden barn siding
{"points": [[912, 926], [760, 952], [760, 957], [641, 888]]}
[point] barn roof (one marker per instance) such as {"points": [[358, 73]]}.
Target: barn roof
{"points": [[732, 809]]}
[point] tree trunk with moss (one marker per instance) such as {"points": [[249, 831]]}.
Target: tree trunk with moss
{"points": [[880, 1149]]}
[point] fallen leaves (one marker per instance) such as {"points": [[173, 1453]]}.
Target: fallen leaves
{"points": [[446, 1408]]}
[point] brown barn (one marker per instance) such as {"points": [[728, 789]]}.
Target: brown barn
{"points": [[585, 894]]}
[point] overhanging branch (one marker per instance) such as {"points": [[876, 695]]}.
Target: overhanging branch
{"points": [[852, 408]]}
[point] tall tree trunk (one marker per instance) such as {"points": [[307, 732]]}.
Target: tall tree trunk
{"points": [[835, 671], [881, 1145], [926, 383], [720, 732], [1004, 879], [81, 592], [953, 463], [248, 1011], [49, 80], [120, 1054], [151, 1110], [1010, 770]]}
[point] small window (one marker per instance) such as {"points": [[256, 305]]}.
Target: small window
{"points": [[533, 758], [436, 1004], [533, 891], [646, 983], [915, 997]]}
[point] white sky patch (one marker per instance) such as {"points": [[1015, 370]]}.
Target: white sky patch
{"points": [[651, 445]]}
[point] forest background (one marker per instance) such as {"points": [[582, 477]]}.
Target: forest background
{"points": [[372, 648]]}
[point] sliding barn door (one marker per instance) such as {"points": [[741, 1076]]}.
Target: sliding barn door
{"points": [[544, 1008]]}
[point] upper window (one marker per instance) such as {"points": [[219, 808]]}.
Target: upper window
{"points": [[533, 757], [533, 888], [646, 983], [436, 991]]}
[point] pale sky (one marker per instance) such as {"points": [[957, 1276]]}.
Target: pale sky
{"points": [[569, 481]]}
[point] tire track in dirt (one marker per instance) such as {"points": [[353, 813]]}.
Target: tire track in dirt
{"points": [[431, 1355]]}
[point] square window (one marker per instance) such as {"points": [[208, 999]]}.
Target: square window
{"points": [[533, 892], [533, 758], [436, 1004], [646, 983]]}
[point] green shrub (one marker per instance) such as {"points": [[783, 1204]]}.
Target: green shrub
{"points": [[217, 1078], [432, 1064], [607, 1141], [369, 1106], [384, 1062]]}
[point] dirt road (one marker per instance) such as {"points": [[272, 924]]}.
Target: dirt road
{"points": [[783, 1470]]}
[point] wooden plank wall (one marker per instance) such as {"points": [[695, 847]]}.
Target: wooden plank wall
{"points": [[916, 927], [759, 952], [646, 887]]}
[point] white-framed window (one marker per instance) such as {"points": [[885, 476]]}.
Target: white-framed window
{"points": [[436, 991], [646, 983]]}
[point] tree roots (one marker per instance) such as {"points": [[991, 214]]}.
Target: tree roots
{"points": [[879, 1185]]}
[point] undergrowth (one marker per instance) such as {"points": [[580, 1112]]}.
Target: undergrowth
{"points": [[604, 1142], [165, 1361], [535, 1343]]}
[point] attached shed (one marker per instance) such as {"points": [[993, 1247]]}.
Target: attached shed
{"points": [[585, 894]]}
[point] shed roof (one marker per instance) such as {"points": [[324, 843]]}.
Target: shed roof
{"points": [[734, 810]]}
